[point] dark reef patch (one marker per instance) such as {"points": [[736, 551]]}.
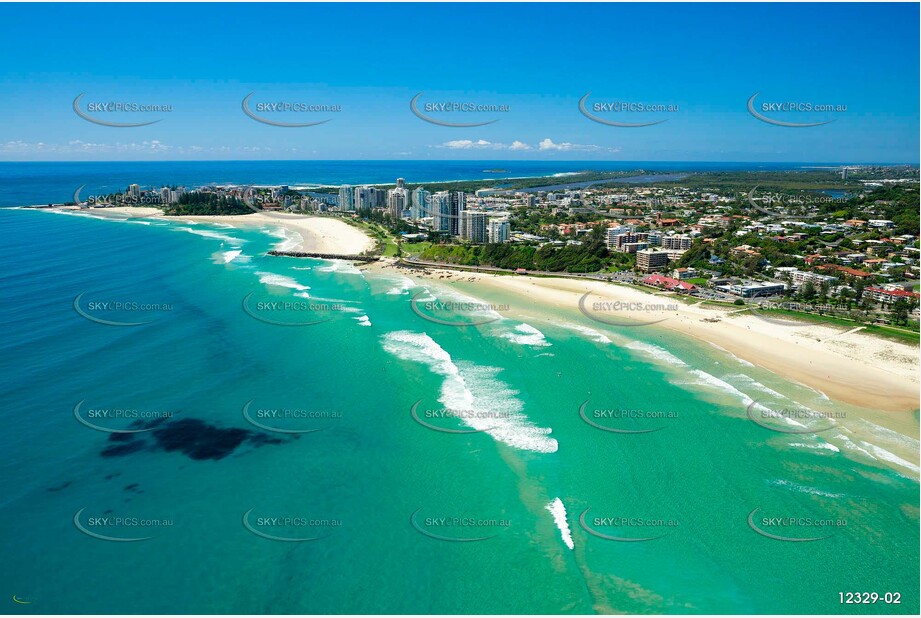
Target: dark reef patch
{"points": [[120, 450], [193, 438], [198, 440]]}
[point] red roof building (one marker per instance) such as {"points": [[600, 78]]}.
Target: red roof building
{"points": [[889, 296], [668, 283]]}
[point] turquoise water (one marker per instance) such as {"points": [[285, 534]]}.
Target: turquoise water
{"points": [[370, 484]]}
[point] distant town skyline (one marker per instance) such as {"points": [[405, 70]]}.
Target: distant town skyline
{"points": [[519, 82]]}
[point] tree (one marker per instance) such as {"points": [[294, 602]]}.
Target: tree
{"points": [[807, 291]]}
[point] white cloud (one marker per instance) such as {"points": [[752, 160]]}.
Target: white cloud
{"points": [[545, 145], [79, 146], [548, 144], [466, 144]]}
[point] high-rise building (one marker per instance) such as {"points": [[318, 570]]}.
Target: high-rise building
{"points": [[379, 197], [497, 231], [362, 198], [439, 208], [458, 204], [648, 260], [676, 241], [346, 198], [397, 202], [612, 234], [472, 226], [420, 204], [134, 191], [628, 241], [401, 182]]}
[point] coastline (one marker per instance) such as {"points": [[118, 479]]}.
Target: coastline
{"points": [[303, 233], [850, 367]]}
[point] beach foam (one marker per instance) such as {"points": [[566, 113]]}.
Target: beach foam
{"points": [[230, 256], [467, 386], [402, 286], [881, 453], [591, 333], [558, 510], [656, 352], [525, 334], [804, 489], [341, 267], [210, 234], [283, 282]]}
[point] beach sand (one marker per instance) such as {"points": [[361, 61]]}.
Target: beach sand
{"points": [[305, 233], [310, 234], [855, 368]]}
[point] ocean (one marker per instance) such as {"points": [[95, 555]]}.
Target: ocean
{"points": [[193, 426], [29, 184]]}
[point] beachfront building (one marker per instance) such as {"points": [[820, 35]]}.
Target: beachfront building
{"points": [[751, 289], [668, 283], [439, 208], [458, 203], [799, 277], [362, 198], [888, 295], [346, 198], [419, 207], [498, 231], [472, 226], [650, 260], [397, 202]]}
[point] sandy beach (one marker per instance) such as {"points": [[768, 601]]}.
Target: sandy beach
{"points": [[305, 233], [849, 366]]}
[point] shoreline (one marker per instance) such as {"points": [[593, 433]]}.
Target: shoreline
{"points": [[851, 367], [844, 364], [304, 233]]}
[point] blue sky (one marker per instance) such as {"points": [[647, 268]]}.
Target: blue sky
{"points": [[539, 60]]}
